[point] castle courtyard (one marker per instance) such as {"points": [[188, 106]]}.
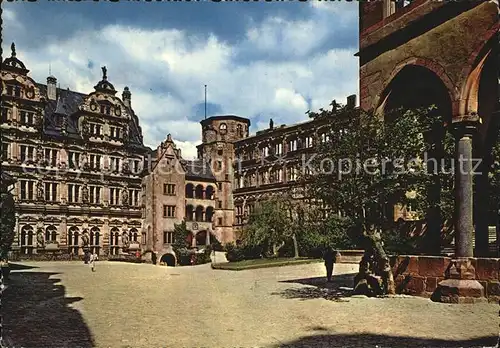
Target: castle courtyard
{"points": [[64, 304]]}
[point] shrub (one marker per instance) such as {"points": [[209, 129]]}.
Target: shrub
{"points": [[8, 222], [251, 252], [203, 257], [184, 256], [215, 244], [234, 253]]}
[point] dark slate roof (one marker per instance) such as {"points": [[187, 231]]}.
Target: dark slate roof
{"points": [[7, 179], [225, 117], [67, 104], [198, 169]]}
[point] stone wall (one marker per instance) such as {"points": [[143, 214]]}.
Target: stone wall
{"points": [[420, 275]]}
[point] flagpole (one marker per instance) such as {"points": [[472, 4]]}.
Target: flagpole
{"points": [[205, 102]]}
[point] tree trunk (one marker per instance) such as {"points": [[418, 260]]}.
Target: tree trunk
{"points": [[295, 246], [276, 248]]}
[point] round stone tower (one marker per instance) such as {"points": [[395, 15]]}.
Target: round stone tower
{"points": [[218, 135]]}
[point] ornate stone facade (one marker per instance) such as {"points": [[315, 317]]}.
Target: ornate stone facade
{"points": [[78, 161]]}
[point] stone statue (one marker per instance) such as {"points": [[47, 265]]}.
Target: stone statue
{"points": [[104, 73], [39, 153], [125, 196], [85, 238], [334, 105], [39, 121], [39, 191], [271, 124], [125, 240], [40, 240], [13, 49], [85, 128], [85, 194]]}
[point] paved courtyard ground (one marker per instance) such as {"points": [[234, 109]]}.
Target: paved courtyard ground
{"points": [[64, 304]]}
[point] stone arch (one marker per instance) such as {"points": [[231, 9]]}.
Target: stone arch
{"points": [[471, 76], [201, 237], [472, 71], [189, 190], [417, 85], [189, 212], [168, 259], [426, 63], [209, 192], [198, 213], [209, 214], [198, 191]]}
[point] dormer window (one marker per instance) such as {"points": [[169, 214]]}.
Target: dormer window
{"points": [[95, 129], [17, 91], [26, 117], [105, 109], [115, 132]]}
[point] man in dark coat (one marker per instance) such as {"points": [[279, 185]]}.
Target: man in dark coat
{"points": [[330, 257]]}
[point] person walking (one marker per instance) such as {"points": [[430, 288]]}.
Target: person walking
{"points": [[93, 259], [329, 256]]}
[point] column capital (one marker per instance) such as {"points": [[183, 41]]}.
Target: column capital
{"points": [[466, 125]]}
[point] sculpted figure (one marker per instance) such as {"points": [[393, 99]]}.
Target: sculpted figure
{"points": [[125, 196], [40, 240], [125, 240], [85, 238], [85, 194], [39, 191]]}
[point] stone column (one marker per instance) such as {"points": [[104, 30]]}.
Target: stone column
{"points": [[460, 285], [464, 227], [208, 238]]}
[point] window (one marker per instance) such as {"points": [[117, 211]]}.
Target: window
{"points": [[51, 157], [73, 160], [17, 91], [308, 142], [265, 151], [219, 221], [137, 164], [168, 237], [239, 130], [292, 145], [114, 196], [95, 129], [5, 152], [95, 161], [26, 117], [325, 138], [169, 211], [219, 186], [10, 90], [133, 197], [143, 238], [5, 112], [223, 127], [115, 132], [73, 193], [278, 149], [50, 192], [27, 153], [220, 152], [169, 189], [27, 190], [115, 164], [95, 194], [51, 234], [105, 109], [219, 204]]}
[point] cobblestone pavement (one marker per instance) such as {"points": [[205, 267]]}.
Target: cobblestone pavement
{"points": [[64, 304]]}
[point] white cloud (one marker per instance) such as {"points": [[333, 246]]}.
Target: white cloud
{"points": [[166, 71]]}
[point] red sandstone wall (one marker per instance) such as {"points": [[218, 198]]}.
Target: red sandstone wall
{"points": [[420, 275]]}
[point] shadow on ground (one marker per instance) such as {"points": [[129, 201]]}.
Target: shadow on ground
{"points": [[320, 288], [382, 341], [36, 312]]}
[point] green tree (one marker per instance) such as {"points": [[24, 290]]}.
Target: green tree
{"points": [[270, 226], [370, 164]]}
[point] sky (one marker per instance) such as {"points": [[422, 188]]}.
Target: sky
{"points": [[259, 60]]}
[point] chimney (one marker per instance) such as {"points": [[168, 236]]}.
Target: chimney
{"points": [[51, 88], [351, 101], [126, 97]]}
